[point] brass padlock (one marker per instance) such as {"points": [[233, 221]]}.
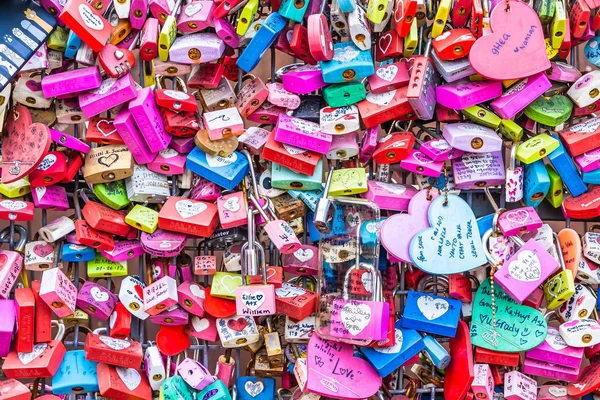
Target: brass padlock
{"points": [[107, 164]]}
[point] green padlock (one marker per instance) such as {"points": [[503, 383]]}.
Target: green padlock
{"points": [[102, 267], [550, 111], [482, 116], [16, 188], [224, 284], [555, 194], [545, 10], [58, 39], [112, 194], [348, 181], [143, 218], [536, 148], [284, 178], [344, 94], [175, 388], [511, 130]]}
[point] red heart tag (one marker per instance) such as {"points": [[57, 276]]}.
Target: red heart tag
{"points": [[115, 61], [24, 147], [237, 324], [172, 340], [218, 308], [588, 382]]}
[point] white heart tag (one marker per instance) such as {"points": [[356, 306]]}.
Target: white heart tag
{"points": [[346, 54], [558, 391], [304, 255], [115, 344], [395, 348], [254, 388], [381, 99], [556, 341], [293, 150], [387, 73], [432, 308], [219, 161], [13, 205], [355, 317], [90, 19], [47, 162], [168, 153], [197, 291], [193, 9], [253, 300], [38, 349], [526, 268], [130, 377], [187, 209], [98, 294], [40, 191], [232, 204], [200, 324]]}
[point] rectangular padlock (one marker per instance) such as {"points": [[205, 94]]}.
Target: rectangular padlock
{"points": [[71, 82], [518, 386], [107, 164], [303, 79], [463, 93], [147, 117], [376, 109], [58, 292], [25, 317], [87, 23], [111, 93], [191, 217], [125, 125], [472, 138], [564, 166], [477, 170], [304, 134], [422, 91]]}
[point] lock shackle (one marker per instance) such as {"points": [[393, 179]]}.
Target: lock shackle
{"points": [[287, 68], [23, 234], [426, 283], [260, 209], [100, 331], [328, 182], [497, 213], [492, 260], [513, 157], [556, 244], [71, 329], [376, 293], [251, 172], [61, 329]]}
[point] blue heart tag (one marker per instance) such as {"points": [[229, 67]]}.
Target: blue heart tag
{"points": [[452, 244]]}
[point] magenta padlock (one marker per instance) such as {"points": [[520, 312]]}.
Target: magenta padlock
{"points": [[194, 374], [161, 9], [556, 351], [68, 141], [203, 189], [147, 118], [464, 93], [133, 138], [304, 261], [196, 48], [223, 123], [138, 13], [520, 95], [253, 139], [173, 316], [281, 97], [163, 243], [419, 163], [588, 161], [343, 146], [519, 221], [440, 150], [71, 82], [369, 144], [548, 370], [183, 145], [389, 77], [227, 33], [561, 72], [304, 79], [96, 300], [390, 196], [301, 133], [54, 7], [168, 162], [267, 113], [190, 297], [50, 197], [195, 16], [472, 138], [111, 93], [124, 250], [232, 210], [477, 170]]}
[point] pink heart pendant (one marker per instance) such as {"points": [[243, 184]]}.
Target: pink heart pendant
{"points": [[515, 49], [333, 371]]}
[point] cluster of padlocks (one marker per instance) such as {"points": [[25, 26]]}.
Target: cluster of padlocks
{"points": [[190, 215]]}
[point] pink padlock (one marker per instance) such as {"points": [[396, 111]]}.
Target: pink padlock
{"points": [[190, 297], [465, 93], [69, 141], [149, 40], [251, 95], [173, 316], [550, 370], [161, 9], [163, 243], [267, 113], [303, 79], [147, 118], [369, 143], [96, 300], [561, 72], [58, 292], [138, 13], [183, 145], [50, 198], [472, 138], [303, 261], [10, 271], [124, 250], [168, 162], [483, 383], [478, 170], [343, 146], [519, 221], [556, 351], [390, 196], [71, 82], [203, 189], [389, 77], [204, 328], [440, 150], [588, 161], [232, 210], [111, 93], [301, 133], [520, 95], [133, 138], [160, 295], [254, 139], [194, 374], [279, 96], [195, 16], [54, 7], [205, 265], [226, 32], [223, 123], [419, 163], [518, 386]]}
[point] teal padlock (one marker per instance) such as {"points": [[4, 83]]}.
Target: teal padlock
{"points": [[293, 9], [285, 178], [309, 197], [344, 94], [255, 388], [76, 375], [215, 391], [175, 388], [536, 183], [349, 63], [592, 177], [226, 172]]}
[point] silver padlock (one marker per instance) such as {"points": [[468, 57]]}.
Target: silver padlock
{"points": [[57, 229], [324, 213]]}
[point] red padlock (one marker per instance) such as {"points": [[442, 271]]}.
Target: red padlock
{"points": [[89, 236], [43, 316], [25, 305]]}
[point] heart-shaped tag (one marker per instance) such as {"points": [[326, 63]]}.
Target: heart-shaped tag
{"points": [[381, 99], [237, 324], [518, 327], [589, 380], [398, 230], [526, 268], [188, 209], [98, 294], [303, 255], [200, 324], [218, 307], [253, 300], [395, 348], [557, 391], [345, 52], [13, 205], [219, 161], [453, 243], [38, 349], [172, 339], [130, 377], [232, 204], [193, 8], [197, 291], [355, 317], [24, 146], [432, 308], [115, 344], [254, 388], [516, 36], [333, 371], [42, 250], [387, 73], [90, 19]]}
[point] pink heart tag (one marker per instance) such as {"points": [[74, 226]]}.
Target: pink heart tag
{"points": [[43, 250], [515, 48], [398, 230], [333, 371]]}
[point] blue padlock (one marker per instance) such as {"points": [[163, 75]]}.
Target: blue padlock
{"points": [[536, 183], [313, 234], [563, 164], [215, 391], [369, 233], [591, 177], [383, 259], [255, 388], [76, 375], [73, 44], [347, 6], [226, 172], [349, 63], [436, 352], [387, 359], [262, 40], [293, 9], [592, 51], [309, 197], [431, 314], [485, 223], [77, 252]]}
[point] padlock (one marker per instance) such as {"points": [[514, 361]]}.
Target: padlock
{"points": [[88, 236], [58, 292], [559, 288], [124, 250], [120, 322], [514, 179], [108, 163], [285, 178], [580, 332], [56, 229], [289, 156], [556, 351], [191, 297], [71, 82], [118, 382], [112, 351], [131, 295], [463, 93], [521, 95], [146, 186], [519, 221], [39, 255], [43, 317], [564, 166], [24, 304], [237, 331], [28, 91], [232, 210], [101, 267], [294, 301], [519, 386], [482, 116], [249, 387], [146, 115], [579, 306], [160, 295], [536, 182], [472, 138], [111, 93], [188, 216], [477, 170], [96, 300]]}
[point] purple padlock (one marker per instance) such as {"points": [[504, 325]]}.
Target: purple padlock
{"points": [[111, 93], [520, 95], [472, 138], [133, 138], [124, 250], [50, 198], [478, 170], [589, 161], [173, 316], [183, 145], [147, 117], [556, 351], [226, 32], [194, 374], [164, 244], [519, 221], [301, 133], [96, 300], [9, 315], [464, 93]]}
